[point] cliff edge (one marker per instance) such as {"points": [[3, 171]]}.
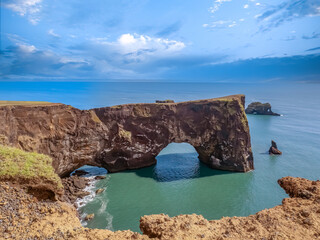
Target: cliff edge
{"points": [[130, 136]]}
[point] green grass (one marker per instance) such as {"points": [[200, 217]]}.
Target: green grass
{"points": [[20, 165], [15, 103]]}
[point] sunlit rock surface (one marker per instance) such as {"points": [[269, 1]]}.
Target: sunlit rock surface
{"points": [[131, 136]]}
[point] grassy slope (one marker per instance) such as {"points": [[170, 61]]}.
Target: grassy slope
{"points": [[15, 103], [18, 164]]}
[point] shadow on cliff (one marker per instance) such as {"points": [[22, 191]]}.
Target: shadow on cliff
{"points": [[177, 166]]}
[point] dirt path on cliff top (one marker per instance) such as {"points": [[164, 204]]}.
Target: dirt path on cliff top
{"points": [[22, 216]]}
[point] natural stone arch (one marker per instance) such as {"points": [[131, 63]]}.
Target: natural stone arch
{"points": [[130, 136], [216, 128]]}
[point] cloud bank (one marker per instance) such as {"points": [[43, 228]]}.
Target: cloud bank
{"points": [[28, 8], [286, 11]]}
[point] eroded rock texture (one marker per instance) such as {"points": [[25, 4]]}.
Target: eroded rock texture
{"points": [[131, 136]]}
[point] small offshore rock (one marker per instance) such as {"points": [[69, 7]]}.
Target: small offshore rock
{"points": [[260, 109], [89, 217], [274, 149], [100, 190]]}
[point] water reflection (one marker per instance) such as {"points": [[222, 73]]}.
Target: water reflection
{"points": [[176, 162]]}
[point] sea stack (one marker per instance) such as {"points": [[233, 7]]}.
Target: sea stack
{"points": [[274, 149], [259, 108]]}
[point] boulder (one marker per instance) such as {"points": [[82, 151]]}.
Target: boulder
{"points": [[100, 190], [74, 188], [99, 177], [89, 217]]}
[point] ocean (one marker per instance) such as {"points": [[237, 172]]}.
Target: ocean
{"points": [[179, 183]]}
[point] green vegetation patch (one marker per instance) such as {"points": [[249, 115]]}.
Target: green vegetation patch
{"points": [[18, 103], [20, 165]]}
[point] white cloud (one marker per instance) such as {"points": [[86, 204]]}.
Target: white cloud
{"points": [[25, 48], [127, 39], [258, 4], [27, 8], [286, 11], [223, 24], [139, 47], [246, 6], [232, 24], [217, 4], [241, 20], [53, 34]]}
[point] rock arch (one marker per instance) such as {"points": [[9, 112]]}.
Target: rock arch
{"points": [[216, 128], [131, 136]]}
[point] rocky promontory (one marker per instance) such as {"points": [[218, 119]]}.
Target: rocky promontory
{"points": [[32, 207], [260, 109], [130, 136]]}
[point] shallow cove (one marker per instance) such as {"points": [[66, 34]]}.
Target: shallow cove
{"points": [[213, 195], [179, 183]]}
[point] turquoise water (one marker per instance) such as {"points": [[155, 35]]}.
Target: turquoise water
{"points": [[179, 184]]}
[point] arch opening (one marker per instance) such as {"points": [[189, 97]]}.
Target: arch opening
{"points": [[177, 161], [89, 171]]}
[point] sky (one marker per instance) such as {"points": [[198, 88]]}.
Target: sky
{"points": [[170, 40]]}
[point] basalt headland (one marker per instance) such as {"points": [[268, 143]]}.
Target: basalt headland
{"points": [[32, 202], [130, 136]]}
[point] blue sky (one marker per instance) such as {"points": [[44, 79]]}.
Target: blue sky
{"points": [[210, 40]]}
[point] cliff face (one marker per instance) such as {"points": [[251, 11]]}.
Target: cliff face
{"points": [[131, 136], [70, 136]]}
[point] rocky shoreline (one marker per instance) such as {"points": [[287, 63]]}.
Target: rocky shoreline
{"points": [[23, 216]]}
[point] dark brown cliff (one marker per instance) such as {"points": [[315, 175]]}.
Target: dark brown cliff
{"points": [[131, 136]]}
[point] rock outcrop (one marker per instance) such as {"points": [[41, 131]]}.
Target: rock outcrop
{"points": [[74, 188], [274, 149], [260, 109], [131, 136], [298, 217], [165, 101]]}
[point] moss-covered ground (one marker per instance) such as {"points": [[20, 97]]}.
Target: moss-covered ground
{"points": [[20, 165]]}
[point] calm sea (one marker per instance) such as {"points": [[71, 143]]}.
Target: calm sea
{"points": [[179, 184]]}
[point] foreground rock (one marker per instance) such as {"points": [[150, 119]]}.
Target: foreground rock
{"points": [[24, 217], [297, 218], [130, 136], [74, 188], [260, 109], [274, 149]]}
